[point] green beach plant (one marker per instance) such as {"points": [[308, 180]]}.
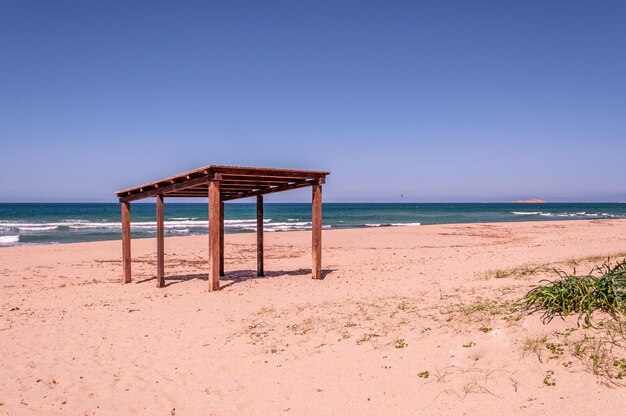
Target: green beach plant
{"points": [[549, 379], [401, 343], [603, 289]]}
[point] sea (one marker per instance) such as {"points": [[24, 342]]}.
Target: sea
{"points": [[56, 223]]}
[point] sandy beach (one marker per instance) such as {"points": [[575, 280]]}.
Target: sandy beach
{"points": [[407, 320]]}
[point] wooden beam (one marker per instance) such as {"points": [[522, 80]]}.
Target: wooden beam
{"points": [[187, 194], [227, 188], [246, 185], [222, 239], [160, 241], [214, 235], [251, 186], [162, 190], [277, 173], [195, 193], [316, 215], [259, 236], [243, 187], [256, 179], [271, 190], [126, 258], [223, 188]]}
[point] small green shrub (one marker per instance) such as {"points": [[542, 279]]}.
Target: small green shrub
{"points": [[549, 379], [604, 289], [401, 343]]}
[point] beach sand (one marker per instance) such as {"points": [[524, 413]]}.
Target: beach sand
{"points": [[394, 303]]}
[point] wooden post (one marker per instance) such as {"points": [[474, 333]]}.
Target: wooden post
{"points": [[126, 240], [160, 242], [316, 226], [214, 234], [222, 239], [259, 236]]}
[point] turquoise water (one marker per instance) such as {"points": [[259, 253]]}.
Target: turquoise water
{"points": [[64, 223]]}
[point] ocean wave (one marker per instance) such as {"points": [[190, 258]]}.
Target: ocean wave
{"points": [[139, 225], [9, 239], [36, 228], [582, 214], [183, 231], [180, 226], [289, 227]]}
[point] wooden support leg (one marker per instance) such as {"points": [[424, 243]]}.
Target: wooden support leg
{"points": [[160, 242], [316, 214], [214, 235], [259, 236], [126, 240], [221, 239]]}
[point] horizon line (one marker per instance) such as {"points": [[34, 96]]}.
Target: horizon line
{"points": [[151, 201]]}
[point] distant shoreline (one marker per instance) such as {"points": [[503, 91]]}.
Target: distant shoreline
{"points": [[398, 227], [27, 224]]}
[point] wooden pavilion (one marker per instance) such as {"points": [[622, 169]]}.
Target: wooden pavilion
{"points": [[219, 184]]}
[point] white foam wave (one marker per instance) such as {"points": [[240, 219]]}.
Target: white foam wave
{"points": [[582, 214], [138, 225], [243, 223], [175, 226], [38, 228], [184, 231], [9, 239], [282, 226]]}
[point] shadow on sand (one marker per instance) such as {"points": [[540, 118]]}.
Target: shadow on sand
{"points": [[235, 276]]}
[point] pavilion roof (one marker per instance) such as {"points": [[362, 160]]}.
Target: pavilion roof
{"points": [[235, 182]]}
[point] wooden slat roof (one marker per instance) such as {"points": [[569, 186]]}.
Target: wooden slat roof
{"points": [[236, 182]]}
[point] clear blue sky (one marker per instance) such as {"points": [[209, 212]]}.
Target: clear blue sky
{"points": [[441, 100]]}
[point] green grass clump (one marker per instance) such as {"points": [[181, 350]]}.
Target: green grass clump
{"points": [[604, 289], [401, 343], [518, 272], [366, 337], [549, 379], [620, 366]]}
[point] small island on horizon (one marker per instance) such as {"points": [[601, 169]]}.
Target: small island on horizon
{"points": [[530, 201]]}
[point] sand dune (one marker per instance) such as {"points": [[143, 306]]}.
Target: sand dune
{"points": [[395, 303]]}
